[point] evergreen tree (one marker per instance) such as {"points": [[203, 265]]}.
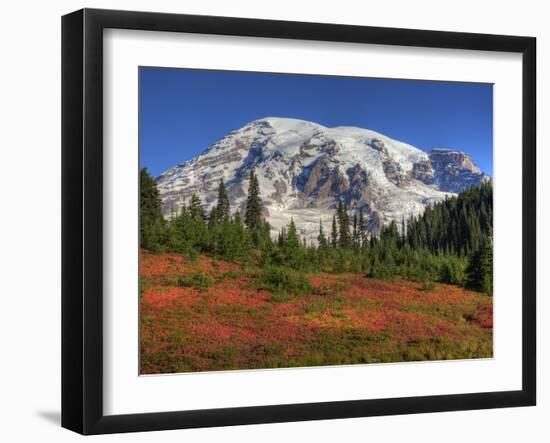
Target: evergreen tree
{"points": [[294, 250], [323, 243], [234, 240], [222, 209], [479, 273], [292, 240], [183, 208], [152, 225], [458, 223], [196, 210], [266, 241], [253, 212], [281, 240], [214, 232], [334, 233], [343, 225], [213, 219]]}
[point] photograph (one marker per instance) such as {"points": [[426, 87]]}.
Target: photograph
{"points": [[299, 220]]}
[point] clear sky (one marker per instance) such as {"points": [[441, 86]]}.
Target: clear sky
{"points": [[183, 111]]}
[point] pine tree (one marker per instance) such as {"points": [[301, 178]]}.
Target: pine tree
{"points": [[152, 225], [183, 208], [281, 241], [456, 224], [321, 237], [213, 219], [334, 233], [479, 273], [196, 210], [253, 212], [294, 250], [222, 209], [292, 240], [266, 242], [343, 225], [214, 232]]}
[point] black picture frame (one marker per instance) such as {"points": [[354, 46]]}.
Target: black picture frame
{"points": [[82, 218]]}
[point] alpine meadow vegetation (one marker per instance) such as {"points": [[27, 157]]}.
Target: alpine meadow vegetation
{"points": [[219, 292]]}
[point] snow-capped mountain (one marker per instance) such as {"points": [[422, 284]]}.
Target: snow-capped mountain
{"points": [[304, 168]]}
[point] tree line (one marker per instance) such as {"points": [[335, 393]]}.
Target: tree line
{"points": [[451, 242]]}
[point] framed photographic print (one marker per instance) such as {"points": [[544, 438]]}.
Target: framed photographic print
{"points": [[269, 221]]}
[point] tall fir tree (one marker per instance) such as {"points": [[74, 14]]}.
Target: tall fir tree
{"points": [[479, 273], [292, 240], [334, 233], [343, 225], [196, 210], [281, 239], [182, 209], [458, 223], [355, 237], [321, 238], [152, 225], [213, 218], [252, 218], [222, 209]]}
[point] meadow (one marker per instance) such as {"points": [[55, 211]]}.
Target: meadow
{"points": [[208, 314]]}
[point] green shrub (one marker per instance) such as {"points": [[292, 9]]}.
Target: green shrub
{"points": [[453, 272], [192, 254], [383, 272], [280, 280], [340, 264], [198, 280]]}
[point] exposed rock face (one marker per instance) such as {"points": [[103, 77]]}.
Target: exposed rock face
{"points": [[395, 174], [454, 170], [305, 168], [423, 171]]}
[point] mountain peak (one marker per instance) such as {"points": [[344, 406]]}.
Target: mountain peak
{"points": [[282, 124], [284, 121], [304, 169]]}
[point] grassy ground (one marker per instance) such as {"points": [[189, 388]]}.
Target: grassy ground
{"points": [[212, 315]]}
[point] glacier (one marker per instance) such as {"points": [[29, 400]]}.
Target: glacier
{"points": [[304, 169]]}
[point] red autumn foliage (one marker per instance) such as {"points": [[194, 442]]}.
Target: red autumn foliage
{"points": [[349, 319]]}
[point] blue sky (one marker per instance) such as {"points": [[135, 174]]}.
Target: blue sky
{"points": [[183, 111]]}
